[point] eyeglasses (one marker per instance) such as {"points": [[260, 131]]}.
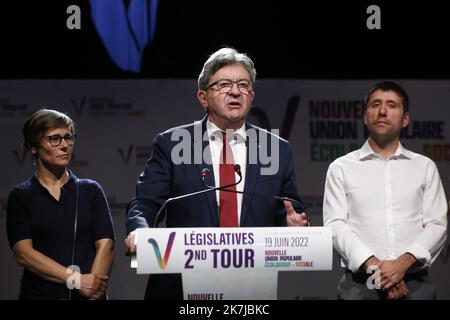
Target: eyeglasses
{"points": [[225, 85], [55, 140]]}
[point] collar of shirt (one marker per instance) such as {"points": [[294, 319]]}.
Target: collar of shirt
{"points": [[214, 132], [366, 153], [37, 187]]}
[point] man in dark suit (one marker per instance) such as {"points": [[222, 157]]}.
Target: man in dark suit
{"points": [[218, 142]]}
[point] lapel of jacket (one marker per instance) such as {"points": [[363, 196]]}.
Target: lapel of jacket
{"points": [[251, 176], [199, 130]]}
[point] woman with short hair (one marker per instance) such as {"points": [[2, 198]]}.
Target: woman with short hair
{"points": [[59, 226]]}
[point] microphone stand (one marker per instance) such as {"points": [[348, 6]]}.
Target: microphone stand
{"points": [[238, 171], [164, 206]]}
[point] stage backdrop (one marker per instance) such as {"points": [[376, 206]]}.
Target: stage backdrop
{"points": [[117, 120]]}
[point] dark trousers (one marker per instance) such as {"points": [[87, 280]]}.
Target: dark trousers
{"points": [[164, 287], [353, 286]]}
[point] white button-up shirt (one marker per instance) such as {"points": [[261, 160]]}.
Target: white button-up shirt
{"points": [[385, 207], [237, 143]]}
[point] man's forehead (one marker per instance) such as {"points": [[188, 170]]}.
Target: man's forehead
{"points": [[385, 95], [236, 70]]}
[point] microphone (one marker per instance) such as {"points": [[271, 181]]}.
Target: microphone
{"points": [[205, 174], [237, 169]]}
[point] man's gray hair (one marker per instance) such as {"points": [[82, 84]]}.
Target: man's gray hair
{"points": [[222, 58]]}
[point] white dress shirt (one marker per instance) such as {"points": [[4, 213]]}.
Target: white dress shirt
{"points": [[237, 143], [385, 207]]}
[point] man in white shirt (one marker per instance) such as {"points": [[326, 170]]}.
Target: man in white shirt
{"points": [[386, 207]]}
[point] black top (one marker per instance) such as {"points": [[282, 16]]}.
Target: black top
{"points": [[33, 213]]}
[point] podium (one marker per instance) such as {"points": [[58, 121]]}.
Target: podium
{"points": [[232, 263]]}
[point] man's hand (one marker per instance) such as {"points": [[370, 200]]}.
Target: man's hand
{"points": [[393, 271], [372, 261], [93, 286], [398, 291], [294, 219], [129, 242]]}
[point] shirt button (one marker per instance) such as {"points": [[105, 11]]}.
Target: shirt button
{"points": [[213, 138]]}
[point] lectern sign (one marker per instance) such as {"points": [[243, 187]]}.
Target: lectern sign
{"points": [[181, 250]]}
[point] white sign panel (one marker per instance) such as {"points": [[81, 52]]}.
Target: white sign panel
{"points": [[181, 250]]}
